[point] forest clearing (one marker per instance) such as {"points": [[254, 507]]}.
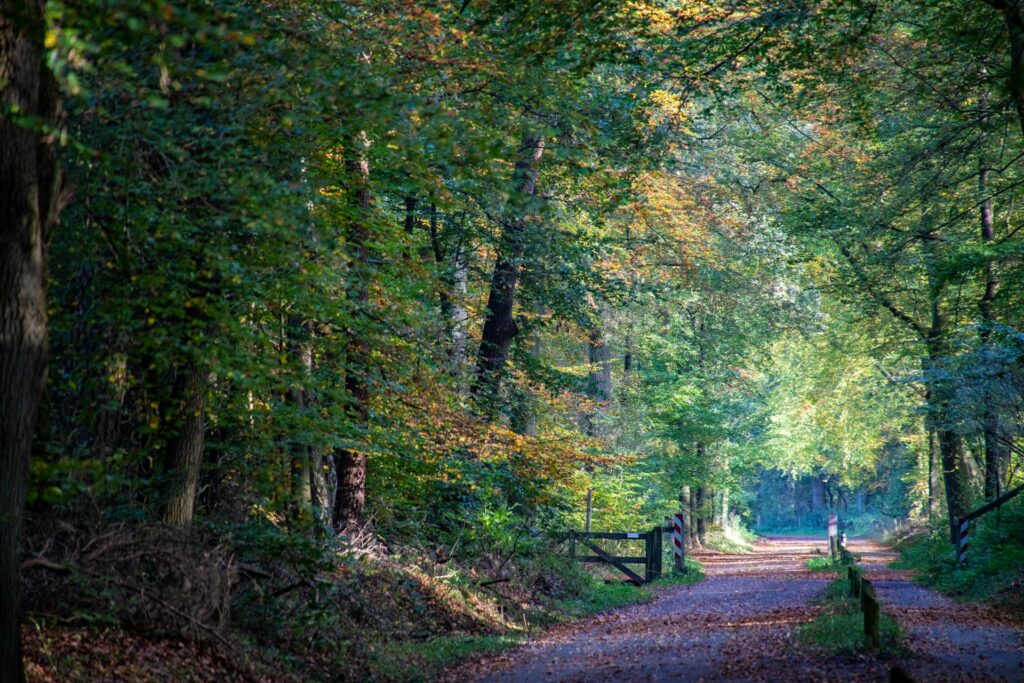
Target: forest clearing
{"points": [[506, 340]]}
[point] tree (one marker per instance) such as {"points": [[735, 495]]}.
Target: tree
{"points": [[32, 194]]}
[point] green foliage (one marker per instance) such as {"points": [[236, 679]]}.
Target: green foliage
{"points": [[823, 564], [993, 572]]}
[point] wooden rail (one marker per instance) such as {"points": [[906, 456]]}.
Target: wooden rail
{"points": [[992, 505], [651, 559], [863, 589], [963, 526]]}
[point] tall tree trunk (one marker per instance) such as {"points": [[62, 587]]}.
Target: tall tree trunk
{"points": [[350, 463], [30, 201], [499, 325], [185, 449], [950, 447], [459, 313], [685, 507], [700, 504], [940, 395], [934, 475], [298, 397], [994, 449], [1013, 14], [725, 508]]}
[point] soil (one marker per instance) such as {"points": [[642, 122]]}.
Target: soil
{"points": [[740, 624]]}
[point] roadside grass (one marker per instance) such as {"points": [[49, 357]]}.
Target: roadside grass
{"points": [[823, 563], [995, 567], [840, 626], [601, 596], [415, 661], [729, 541]]}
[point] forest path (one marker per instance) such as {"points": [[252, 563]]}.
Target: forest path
{"points": [[740, 623]]}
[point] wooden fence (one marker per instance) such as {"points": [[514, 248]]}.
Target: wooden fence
{"points": [[652, 559], [963, 538], [863, 589]]}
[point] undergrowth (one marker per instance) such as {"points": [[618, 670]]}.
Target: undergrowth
{"points": [[304, 608], [994, 572]]}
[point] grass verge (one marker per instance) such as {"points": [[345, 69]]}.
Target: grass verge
{"points": [[412, 662], [840, 626], [995, 568]]}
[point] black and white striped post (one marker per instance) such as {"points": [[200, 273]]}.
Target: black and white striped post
{"points": [[962, 542], [678, 541]]}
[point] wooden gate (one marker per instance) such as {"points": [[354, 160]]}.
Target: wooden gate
{"points": [[651, 559]]}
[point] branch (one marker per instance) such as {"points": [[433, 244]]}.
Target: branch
{"points": [[881, 297]]}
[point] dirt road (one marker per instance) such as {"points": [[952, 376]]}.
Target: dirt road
{"points": [[740, 624]]}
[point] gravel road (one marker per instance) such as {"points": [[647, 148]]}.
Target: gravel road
{"points": [[740, 623]]}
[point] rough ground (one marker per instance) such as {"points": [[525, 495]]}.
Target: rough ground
{"points": [[740, 624]]}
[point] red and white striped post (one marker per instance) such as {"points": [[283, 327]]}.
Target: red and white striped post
{"points": [[678, 541], [962, 542]]}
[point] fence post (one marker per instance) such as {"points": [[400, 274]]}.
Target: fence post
{"points": [[854, 576], [659, 551], [648, 556], [679, 541], [962, 542], [869, 604]]}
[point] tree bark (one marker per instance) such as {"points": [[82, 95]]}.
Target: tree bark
{"points": [[499, 325], [298, 397], [684, 506], [934, 475], [31, 198], [994, 449], [350, 462], [185, 449], [700, 503]]}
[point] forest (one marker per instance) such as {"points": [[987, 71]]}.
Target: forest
{"points": [[320, 321]]}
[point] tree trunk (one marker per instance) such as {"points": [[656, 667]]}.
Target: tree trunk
{"points": [[725, 508], [994, 449], [934, 475], [350, 463], [185, 449], [1013, 13], [694, 518], [30, 201], [499, 325], [459, 314], [701, 504], [684, 507], [301, 465]]}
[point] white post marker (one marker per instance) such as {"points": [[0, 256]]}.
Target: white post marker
{"points": [[677, 540], [842, 540], [963, 541]]}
